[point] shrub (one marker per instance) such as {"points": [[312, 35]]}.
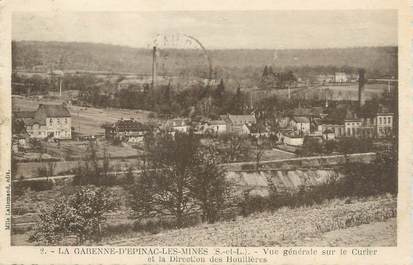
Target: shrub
{"points": [[80, 215], [251, 204]]}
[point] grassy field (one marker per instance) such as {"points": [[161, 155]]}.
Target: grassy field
{"points": [[274, 154]]}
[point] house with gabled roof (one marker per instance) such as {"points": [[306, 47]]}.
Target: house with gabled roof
{"points": [[239, 124], [48, 121], [126, 130], [177, 125], [300, 124]]}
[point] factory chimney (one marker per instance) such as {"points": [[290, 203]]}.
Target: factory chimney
{"points": [[362, 81], [154, 67]]}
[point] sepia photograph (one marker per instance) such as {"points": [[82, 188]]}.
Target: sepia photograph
{"points": [[225, 128]]}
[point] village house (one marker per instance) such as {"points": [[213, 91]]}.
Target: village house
{"points": [[369, 126], [214, 127], [325, 78], [300, 124], [340, 77], [291, 138], [384, 124], [177, 125], [352, 125], [130, 131], [260, 130], [239, 124], [48, 121], [327, 126]]}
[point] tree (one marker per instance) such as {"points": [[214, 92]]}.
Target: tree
{"points": [[265, 72], [259, 152], [208, 184], [106, 168], [164, 187], [350, 145], [311, 146], [236, 147], [220, 89], [51, 165], [81, 215], [93, 172], [237, 102]]}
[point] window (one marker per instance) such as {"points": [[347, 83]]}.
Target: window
{"points": [[66, 120], [389, 120], [379, 120], [50, 120]]}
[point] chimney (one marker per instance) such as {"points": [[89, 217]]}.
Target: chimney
{"points": [[362, 81], [154, 68]]}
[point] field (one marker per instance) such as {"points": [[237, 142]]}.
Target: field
{"points": [[275, 154], [86, 120]]}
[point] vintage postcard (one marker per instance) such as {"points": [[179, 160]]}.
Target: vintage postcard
{"points": [[205, 133]]}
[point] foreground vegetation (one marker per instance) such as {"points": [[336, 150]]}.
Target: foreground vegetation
{"points": [[177, 191], [284, 227]]}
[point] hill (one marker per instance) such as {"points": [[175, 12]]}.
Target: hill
{"points": [[105, 57]]}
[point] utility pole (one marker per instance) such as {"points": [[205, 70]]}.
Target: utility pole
{"points": [[154, 67]]}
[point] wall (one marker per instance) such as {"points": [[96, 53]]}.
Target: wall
{"points": [[290, 174], [261, 183], [301, 162]]}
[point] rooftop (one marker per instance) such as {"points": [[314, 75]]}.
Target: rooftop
{"points": [[129, 125], [55, 111], [239, 119], [301, 119]]}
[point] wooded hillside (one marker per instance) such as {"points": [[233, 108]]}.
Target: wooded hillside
{"points": [[104, 57]]}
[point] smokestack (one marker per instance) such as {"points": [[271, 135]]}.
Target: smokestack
{"points": [[362, 81], [154, 67]]}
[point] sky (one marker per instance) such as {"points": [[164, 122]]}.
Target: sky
{"points": [[286, 29]]}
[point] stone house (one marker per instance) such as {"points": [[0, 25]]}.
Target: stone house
{"points": [[48, 121]]}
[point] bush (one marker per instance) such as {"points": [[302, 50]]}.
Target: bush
{"points": [[251, 204], [80, 215]]}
